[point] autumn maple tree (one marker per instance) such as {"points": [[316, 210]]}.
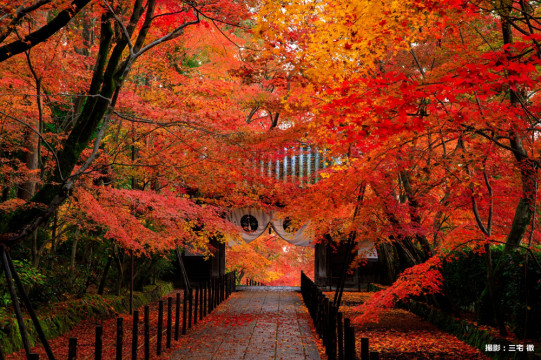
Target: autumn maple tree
{"points": [[149, 140], [64, 120], [432, 110], [142, 123], [270, 261]]}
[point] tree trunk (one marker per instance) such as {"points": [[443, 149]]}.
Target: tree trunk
{"points": [[35, 249], [112, 65], [240, 276], [101, 287], [389, 260], [415, 214], [527, 167], [525, 207], [53, 232], [120, 268], [74, 248], [30, 158]]}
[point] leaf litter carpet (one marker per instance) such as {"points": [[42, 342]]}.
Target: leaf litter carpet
{"points": [[401, 335], [262, 323]]}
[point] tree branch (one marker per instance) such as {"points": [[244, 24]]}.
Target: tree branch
{"points": [[43, 33]]}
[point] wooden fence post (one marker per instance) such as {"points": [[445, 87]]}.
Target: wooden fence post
{"points": [[332, 331], [160, 328], [201, 306], [218, 290], [119, 337], [177, 316], [72, 349], [349, 340], [222, 288], [147, 332], [213, 299], [184, 311], [340, 335], [135, 334], [205, 302], [324, 319], [169, 321], [211, 294], [190, 308], [319, 316], [215, 293], [222, 293], [365, 355], [98, 344], [196, 300]]}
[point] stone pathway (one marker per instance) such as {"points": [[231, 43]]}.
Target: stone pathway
{"points": [[255, 323]]}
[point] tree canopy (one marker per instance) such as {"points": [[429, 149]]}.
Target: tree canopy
{"points": [[144, 122]]}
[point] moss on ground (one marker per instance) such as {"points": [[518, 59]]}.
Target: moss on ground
{"points": [[62, 317]]}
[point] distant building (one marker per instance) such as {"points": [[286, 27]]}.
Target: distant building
{"points": [[296, 165], [303, 165]]}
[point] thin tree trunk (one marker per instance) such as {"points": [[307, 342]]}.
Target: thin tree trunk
{"points": [[53, 232], [388, 260], [118, 261], [30, 159], [415, 214], [35, 249], [73, 255], [527, 167], [32, 141], [101, 287]]}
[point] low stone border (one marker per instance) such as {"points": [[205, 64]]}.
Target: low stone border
{"points": [[70, 313]]}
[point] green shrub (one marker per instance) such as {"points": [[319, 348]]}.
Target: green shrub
{"points": [[519, 284], [29, 275]]}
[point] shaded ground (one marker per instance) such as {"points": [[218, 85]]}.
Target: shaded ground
{"points": [[402, 335], [85, 333], [256, 323]]}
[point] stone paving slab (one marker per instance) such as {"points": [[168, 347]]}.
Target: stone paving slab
{"points": [[255, 323]]}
